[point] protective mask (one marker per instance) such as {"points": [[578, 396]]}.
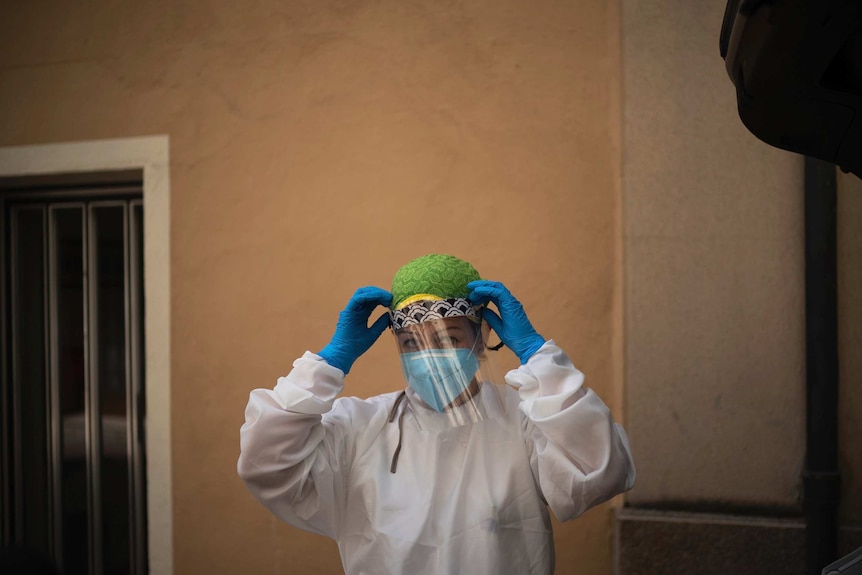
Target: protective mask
{"points": [[439, 375]]}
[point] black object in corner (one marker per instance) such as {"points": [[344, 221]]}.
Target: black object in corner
{"points": [[797, 68], [848, 565]]}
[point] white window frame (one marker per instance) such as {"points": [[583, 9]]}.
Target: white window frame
{"points": [[151, 155]]}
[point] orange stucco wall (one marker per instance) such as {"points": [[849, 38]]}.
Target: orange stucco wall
{"points": [[314, 147]]}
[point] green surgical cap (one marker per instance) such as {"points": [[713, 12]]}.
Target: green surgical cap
{"points": [[439, 275]]}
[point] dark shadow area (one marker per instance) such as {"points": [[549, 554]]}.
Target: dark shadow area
{"points": [[797, 68], [23, 561]]}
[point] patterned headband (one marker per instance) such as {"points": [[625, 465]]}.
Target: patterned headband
{"points": [[428, 310]]}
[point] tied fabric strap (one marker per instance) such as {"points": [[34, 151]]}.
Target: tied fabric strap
{"points": [[401, 396]]}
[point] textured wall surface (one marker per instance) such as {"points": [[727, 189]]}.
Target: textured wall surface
{"points": [[714, 310], [661, 542], [658, 543], [315, 147]]}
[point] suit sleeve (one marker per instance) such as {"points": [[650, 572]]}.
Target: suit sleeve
{"points": [[293, 446], [579, 455]]}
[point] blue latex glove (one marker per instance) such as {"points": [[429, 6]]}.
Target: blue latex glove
{"points": [[512, 325], [353, 336]]}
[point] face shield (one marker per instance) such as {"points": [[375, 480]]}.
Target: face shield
{"points": [[443, 355]]}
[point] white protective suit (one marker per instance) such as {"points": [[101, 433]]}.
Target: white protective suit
{"points": [[469, 499]]}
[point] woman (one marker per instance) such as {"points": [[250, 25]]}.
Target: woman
{"points": [[454, 473]]}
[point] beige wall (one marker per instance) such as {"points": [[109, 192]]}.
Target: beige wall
{"points": [[714, 309], [315, 147], [714, 284], [849, 345]]}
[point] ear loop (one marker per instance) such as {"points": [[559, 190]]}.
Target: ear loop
{"points": [[497, 347]]}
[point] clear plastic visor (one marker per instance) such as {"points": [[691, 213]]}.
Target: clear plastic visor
{"points": [[448, 369]]}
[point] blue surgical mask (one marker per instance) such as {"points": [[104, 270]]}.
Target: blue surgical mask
{"points": [[439, 375]]}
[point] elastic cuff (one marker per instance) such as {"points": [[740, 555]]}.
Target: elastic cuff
{"points": [[335, 359], [531, 351]]}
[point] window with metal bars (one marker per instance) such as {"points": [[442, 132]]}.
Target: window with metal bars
{"points": [[73, 459]]}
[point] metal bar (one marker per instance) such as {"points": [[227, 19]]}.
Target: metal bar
{"points": [[71, 180], [130, 395], [112, 203], [66, 194], [54, 379], [24, 205], [17, 461], [822, 481], [5, 459], [139, 526], [16, 414], [95, 447], [49, 383], [91, 391], [94, 339]]}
